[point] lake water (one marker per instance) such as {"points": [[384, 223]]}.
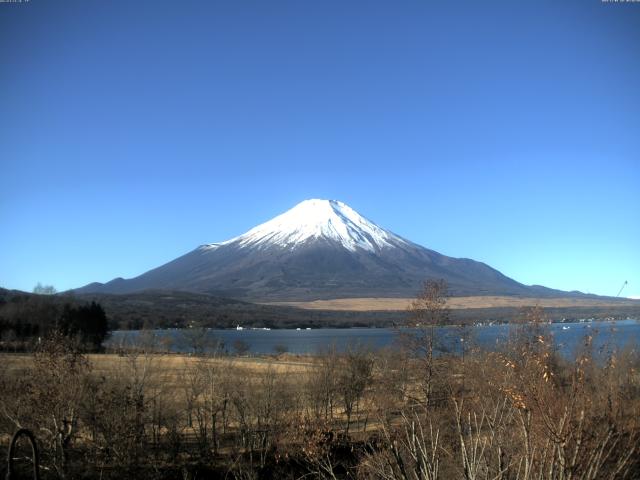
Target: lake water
{"points": [[567, 337]]}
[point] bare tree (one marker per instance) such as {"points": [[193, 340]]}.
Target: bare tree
{"points": [[427, 312], [44, 289], [321, 384], [202, 340], [354, 376], [241, 347]]}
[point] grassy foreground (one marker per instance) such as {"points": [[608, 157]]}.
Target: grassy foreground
{"points": [[517, 413]]}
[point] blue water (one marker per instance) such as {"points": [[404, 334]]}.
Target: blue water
{"points": [[567, 337]]}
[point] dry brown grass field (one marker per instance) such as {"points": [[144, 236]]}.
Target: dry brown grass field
{"points": [[172, 365], [169, 370], [455, 303], [520, 413]]}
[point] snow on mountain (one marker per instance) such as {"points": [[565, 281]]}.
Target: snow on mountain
{"points": [[319, 249], [317, 219]]}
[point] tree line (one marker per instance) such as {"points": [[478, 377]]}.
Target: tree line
{"points": [[25, 319]]}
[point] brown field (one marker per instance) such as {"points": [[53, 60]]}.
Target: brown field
{"points": [[171, 367], [163, 416], [456, 303]]}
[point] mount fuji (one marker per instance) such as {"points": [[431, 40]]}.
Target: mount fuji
{"points": [[319, 249]]}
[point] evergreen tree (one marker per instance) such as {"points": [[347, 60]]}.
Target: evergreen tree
{"points": [[87, 322]]}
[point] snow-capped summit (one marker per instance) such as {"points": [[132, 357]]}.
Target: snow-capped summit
{"points": [[315, 219]]}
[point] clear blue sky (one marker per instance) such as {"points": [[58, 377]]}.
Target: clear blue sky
{"points": [[503, 131]]}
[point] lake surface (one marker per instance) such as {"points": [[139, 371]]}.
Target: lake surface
{"points": [[567, 337]]}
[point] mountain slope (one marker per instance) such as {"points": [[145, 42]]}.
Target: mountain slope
{"points": [[317, 250]]}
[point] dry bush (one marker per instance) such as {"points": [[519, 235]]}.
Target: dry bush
{"points": [[521, 413], [46, 399]]}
